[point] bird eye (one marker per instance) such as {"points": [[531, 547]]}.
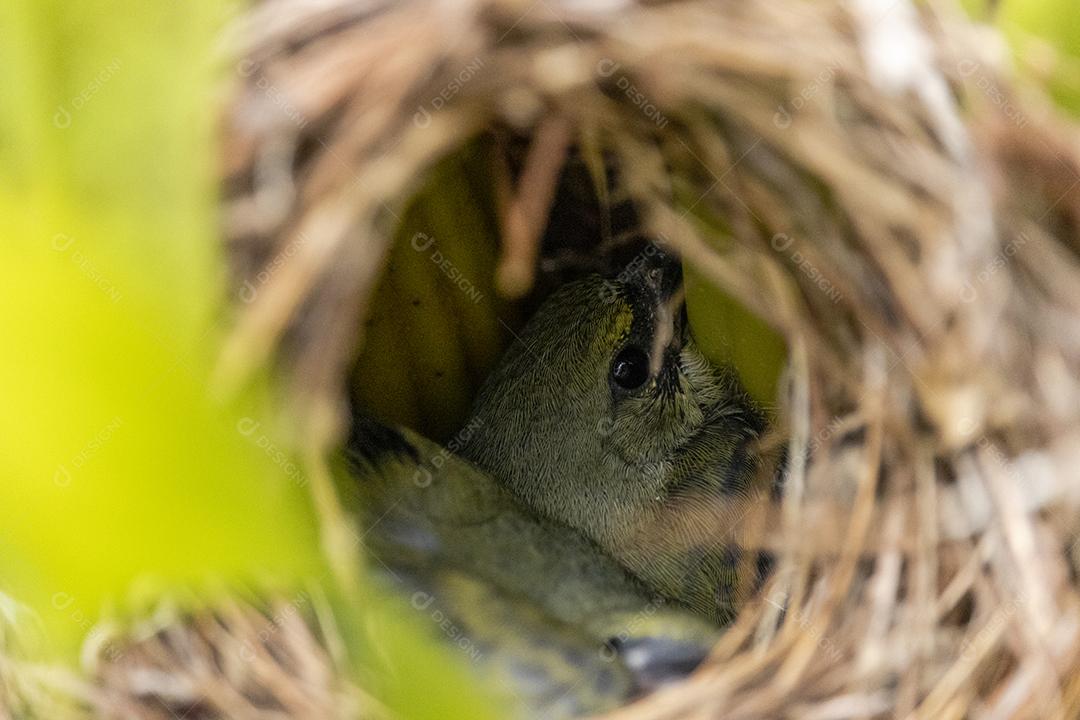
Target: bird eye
{"points": [[631, 368]]}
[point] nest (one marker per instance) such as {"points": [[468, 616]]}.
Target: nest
{"points": [[897, 206]]}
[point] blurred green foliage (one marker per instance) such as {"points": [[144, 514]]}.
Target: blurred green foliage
{"points": [[1027, 23], [117, 462], [1057, 23], [120, 468], [728, 333]]}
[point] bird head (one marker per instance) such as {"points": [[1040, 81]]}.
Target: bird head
{"points": [[604, 415]]}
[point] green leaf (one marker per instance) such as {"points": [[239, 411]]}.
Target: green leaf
{"points": [[730, 334], [117, 462]]}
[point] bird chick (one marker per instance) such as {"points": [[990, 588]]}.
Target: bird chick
{"points": [[605, 416]]}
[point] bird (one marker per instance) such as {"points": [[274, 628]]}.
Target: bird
{"points": [[548, 619], [605, 416]]}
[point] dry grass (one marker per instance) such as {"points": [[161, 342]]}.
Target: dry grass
{"points": [[903, 211]]}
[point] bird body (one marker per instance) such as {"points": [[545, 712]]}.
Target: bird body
{"points": [[587, 515], [551, 616]]}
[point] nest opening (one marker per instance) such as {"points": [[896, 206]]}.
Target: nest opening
{"points": [[912, 248]]}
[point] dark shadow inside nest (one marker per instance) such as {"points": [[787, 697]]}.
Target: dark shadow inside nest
{"points": [[591, 227]]}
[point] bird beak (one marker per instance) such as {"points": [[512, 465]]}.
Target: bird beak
{"points": [[663, 275], [682, 322], [665, 278]]}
